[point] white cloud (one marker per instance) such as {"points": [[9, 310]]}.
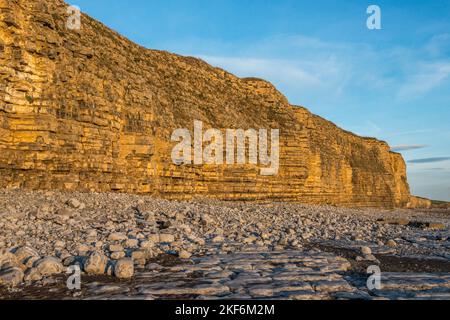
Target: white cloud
{"points": [[428, 77], [312, 71], [305, 77], [409, 133], [439, 45], [367, 129], [275, 69]]}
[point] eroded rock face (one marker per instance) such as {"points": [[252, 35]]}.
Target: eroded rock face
{"points": [[90, 110], [419, 203]]}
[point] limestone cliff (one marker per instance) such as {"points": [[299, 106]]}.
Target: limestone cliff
{"points": [[90, 110], [419, 203]]}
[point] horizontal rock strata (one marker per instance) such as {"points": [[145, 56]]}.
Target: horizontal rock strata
{"points": [[90, 110]]}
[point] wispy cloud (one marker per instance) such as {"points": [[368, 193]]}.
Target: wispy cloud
{"points": [[429, 160], [439, 45], [276, 69], [315, 69], [368, 129], [428, 77], [410, 133], [306, 77], [406, 147]]}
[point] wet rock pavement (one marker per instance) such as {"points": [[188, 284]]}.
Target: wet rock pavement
{"points": [[131, 247]]}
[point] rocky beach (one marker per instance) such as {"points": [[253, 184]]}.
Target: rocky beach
{"points": [[105, 195], [138, 247]]}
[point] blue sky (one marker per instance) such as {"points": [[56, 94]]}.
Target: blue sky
{"points": [[393, 84]]}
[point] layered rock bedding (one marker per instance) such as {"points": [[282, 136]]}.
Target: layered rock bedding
{"points": [[88, 110]]}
